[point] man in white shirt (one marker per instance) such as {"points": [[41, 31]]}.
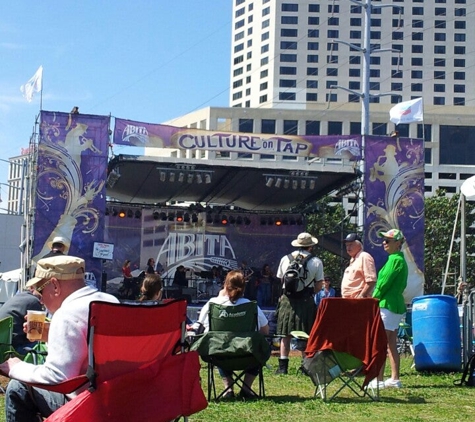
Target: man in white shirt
{"points": [[60, 282]]}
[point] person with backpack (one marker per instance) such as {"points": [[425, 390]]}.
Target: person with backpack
{"points": [[302, 276]]}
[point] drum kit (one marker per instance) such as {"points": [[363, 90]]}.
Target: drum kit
{"points": [[206, 286]]}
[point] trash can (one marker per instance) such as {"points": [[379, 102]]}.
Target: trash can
{"points": [[436, 333]]}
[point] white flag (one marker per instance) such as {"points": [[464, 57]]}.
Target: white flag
{"points": [[407, 112], [35, 84]]}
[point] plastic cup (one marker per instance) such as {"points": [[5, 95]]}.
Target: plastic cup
{"points": [[35, 325]]}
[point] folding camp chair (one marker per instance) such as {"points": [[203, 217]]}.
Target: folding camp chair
{"points": [[6, 334], [233, 344], [139, 369], [347, 341]]}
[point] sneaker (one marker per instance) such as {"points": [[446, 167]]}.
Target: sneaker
{"points": [[374, 384], [228, 395], [390, 383]]}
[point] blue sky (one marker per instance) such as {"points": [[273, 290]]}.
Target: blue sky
{"points": [[145, 60]]}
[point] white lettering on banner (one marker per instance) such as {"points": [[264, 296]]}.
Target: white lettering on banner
{"points": [[243, 143], [350, 145], [182, 246], [138, 132]]}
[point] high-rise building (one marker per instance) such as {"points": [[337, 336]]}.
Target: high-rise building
{"points": [[289, 53]]}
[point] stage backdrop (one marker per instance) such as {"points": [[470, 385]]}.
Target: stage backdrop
{"points": [[70, 192], [394, 186]]}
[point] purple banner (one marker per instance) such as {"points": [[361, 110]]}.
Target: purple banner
{"points": [[70, 192], [128, 132], [394, 186]]}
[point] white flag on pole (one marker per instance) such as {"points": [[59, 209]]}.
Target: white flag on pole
{"points": [[35, 84], [407, 112]]}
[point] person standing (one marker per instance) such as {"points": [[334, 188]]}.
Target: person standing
{"points": [[264, 286], [327, 291], [392, 280], [58, 246], [60, 282], [298, 312], [359, 278]]}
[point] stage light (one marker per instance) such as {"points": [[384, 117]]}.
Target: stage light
{"points": [[263, 221], [156, 215], [207, 178], [303, 184], [190, 178], [247, 221], [181, 177], [172, 177], [278, 182], [122, 213], [179, 217], [294, 184], [138, 214], [163, 176], [232, 219], [311, 185], [216, 219], [171, 216], [224, 220], [239, 220], [199, 179], [278, 222], [292, 221], [186, 217], [163, 216], [209, 218], [194, 218], [130, 214], [286, 183], [270, 221], [285, 221], [270, 182]]}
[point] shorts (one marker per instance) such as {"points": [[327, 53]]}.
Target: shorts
{"points": [[390, 319]]}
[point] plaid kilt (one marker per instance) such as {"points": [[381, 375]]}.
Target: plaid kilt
{"points": [[295, 314]]}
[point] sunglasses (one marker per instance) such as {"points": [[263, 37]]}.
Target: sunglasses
{"points": [[40, 289], [388, 240]]}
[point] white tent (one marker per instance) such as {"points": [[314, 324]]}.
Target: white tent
{"points": [[9, 284]]}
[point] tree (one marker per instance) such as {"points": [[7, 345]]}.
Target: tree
{"points": [[440, 214]]}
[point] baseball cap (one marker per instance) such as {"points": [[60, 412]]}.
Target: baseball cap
{"points": [[62, 267], [59, 239], [351, 237], [395, 234]]}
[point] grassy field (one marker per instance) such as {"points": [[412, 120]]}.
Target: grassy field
{"points": [[424, 397]]}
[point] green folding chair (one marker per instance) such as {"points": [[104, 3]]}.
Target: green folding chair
{"points": [[6, 330]]}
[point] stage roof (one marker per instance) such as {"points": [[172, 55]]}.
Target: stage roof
{"points": [[250, 185]]}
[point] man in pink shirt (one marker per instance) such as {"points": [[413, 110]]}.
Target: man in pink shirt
{"points": [[360, 276]]}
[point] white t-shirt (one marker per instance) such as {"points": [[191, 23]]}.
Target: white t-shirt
{"points": [[314, 267], [224, 300]]}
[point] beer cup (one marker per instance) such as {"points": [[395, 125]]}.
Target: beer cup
{"points": [[35, 325]]}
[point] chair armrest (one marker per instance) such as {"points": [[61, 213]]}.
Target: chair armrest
{"points": [[64, 387]]}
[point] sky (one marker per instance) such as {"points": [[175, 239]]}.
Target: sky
{"points": [[144, 60]]}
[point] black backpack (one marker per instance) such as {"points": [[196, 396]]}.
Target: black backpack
{"points": [[468, 376], [295, 276]]}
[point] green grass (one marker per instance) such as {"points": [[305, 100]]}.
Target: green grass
{"points": [[425, 397]]}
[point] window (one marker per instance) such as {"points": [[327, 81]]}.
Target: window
{"points": [[265, 11], [335, 128], [312, 71], [355, 21], [290, 7], [459, 49], [440, 24], [313, 20], [375, 35], [287, 83], [314, 8], [332, 46], [438, 36], [238, 59], [267, 126], [289, 20], [312, 58], [355, 35], [416, 87], [439, 74], [375, 22], [332, 72], [355, 128], [312, 46], [439, 101], [460, 12], [456, 145], [238, 71], [263, 86], [355, 59], [333, 21], [439, 62], [417, 36], [312, 83], [374, 86], [440, 11], [418, 24], [239, 36], [287, 32], [459, 76], [397, 35], [239, 24], [237, 84], [330, 84], [237, 95], [264, 73], [288, 57], [333, 8], [459, 37], [459, 101], [264, 61], [439, 49], [380, 129], [353, 98], [288, 45], [264, 48], [397, 74], [417, 11], [460, 25], [418, 49], [246, 125], [374, 73], [354, 85], [287, 96], [416, 61], [291, 127], [239, 48], [332, 59], [375, 60], [265, 23], [459, 62], [333, 33], [285, 70], [459, 88], [313, 33], [396, 86], [262, 99], [312, 127], [416, 74], [265, 36], [240, 12], [354, 73], [311, 96], [396, 61], [398, 47]]}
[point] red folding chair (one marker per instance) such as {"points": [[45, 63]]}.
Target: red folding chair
{"points": [[139, 368]]}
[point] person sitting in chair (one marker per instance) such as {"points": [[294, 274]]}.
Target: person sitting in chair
{"points": [[232, 294]]}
